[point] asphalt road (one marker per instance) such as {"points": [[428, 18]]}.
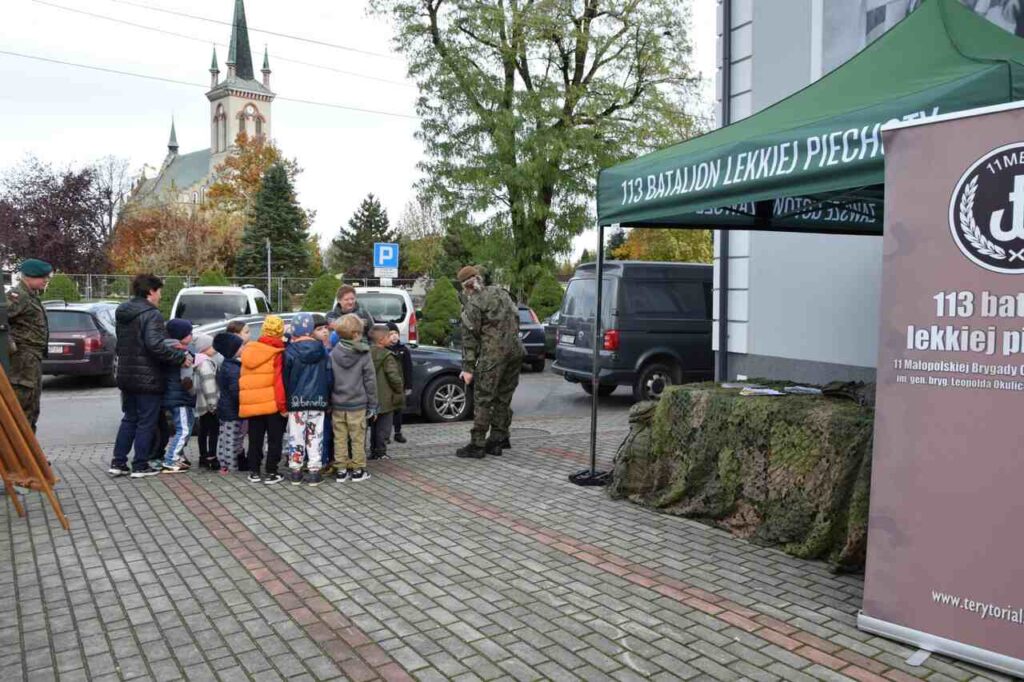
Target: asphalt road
{"points": [[78, 410]]}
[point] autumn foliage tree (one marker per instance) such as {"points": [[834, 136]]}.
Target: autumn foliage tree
{"points": [[683, 246], [169, 239], [240, 175]]}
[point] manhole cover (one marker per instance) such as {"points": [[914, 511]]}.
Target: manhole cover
{"points": [[528, 433]]}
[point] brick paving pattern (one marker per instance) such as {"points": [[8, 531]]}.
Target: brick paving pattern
{"points": [[435, 568]]}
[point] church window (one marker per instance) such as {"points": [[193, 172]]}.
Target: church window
{"points": [[259, 127]]}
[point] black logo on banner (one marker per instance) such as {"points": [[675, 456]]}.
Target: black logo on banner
{"points": [[986, 212]]}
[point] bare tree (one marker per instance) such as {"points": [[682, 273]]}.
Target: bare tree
{"points": [[112, 184]]}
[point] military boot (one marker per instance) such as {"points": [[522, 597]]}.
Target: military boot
{"points": [[471, 452], [493, 447]]}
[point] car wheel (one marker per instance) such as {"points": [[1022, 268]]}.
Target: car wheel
{"points": [[446, 399], [653, 379], [111, 379], [537, 365], [602, 389]]}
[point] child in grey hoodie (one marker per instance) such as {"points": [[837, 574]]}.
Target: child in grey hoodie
{"points": [[353, 398]]}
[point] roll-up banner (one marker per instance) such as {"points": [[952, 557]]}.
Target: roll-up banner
{"points": [[945, 562]]}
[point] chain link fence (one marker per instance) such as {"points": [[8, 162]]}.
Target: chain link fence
{"points": [[284, 293]]}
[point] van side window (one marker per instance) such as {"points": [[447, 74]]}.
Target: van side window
{"points": [[261, 305], [664, 299]]}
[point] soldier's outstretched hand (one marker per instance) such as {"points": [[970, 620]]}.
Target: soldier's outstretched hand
{"points": [[467, 378]]}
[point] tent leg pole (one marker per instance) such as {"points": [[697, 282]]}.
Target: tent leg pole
{"points": [[592, 476]]}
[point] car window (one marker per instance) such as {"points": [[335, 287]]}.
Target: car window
{"points": [[664, 299], [261, 305], [69, 321], [107, 319], [211, 307], [525, 317], [581, 299], [384, 307]]}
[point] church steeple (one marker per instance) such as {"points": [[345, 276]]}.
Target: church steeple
{"points": [[214, 69], [239, 54], [172, 144], [266, 67]]}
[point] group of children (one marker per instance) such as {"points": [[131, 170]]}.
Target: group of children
{"points": [[308, 392]]}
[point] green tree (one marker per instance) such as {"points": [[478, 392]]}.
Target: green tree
{"points": [[586, 257], [546, 296], [320, 295], [172, 285], [351, 252], [62, 288], [441, 307], [522, 102], [214, 278], [276, 216], [457, 249], [616, 240]]}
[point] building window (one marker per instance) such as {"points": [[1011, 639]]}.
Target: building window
{"points": [[259, 127], [195, 197]]}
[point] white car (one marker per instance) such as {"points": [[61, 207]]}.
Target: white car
{"points": [[202, 305], [390, 304]]}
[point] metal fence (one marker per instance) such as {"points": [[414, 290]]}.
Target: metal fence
{"points": [[285, 293]]}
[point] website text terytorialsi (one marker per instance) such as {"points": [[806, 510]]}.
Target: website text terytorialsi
{"points": [[983, 609]]}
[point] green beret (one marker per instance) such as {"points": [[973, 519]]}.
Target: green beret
{"points": [[33, 267]]}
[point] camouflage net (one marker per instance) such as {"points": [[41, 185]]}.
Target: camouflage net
{"points": [[793, 471]]}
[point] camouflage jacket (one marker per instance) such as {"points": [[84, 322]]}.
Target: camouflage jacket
{"points": [[29, 328], [490, 329]]}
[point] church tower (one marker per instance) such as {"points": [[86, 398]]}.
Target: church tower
{"points": [[239, 103]]}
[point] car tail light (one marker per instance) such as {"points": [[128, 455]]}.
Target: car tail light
{"points": [[413, 336], [611, 339], [92, 343]]}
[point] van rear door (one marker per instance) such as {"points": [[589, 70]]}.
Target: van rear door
{"points": [[574, 342]]}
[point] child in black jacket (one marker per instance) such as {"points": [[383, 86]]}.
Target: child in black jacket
{"points": [[404, 356], [229, 440]]}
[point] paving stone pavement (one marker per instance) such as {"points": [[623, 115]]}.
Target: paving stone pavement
{"points": [[435, 568]]}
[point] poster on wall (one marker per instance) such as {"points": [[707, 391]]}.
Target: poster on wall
{"points": [[945, 552], [850, 25]]}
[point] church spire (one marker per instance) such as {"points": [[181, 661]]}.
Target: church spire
{"points": [[266, 67], [172, 144], [239, 54], [214, 69]]}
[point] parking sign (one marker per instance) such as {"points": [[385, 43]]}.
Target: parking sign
{"points": [[385, 255]]}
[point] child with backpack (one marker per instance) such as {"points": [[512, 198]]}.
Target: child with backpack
{"points": [[307, 383], [207, 395], [404, 356], [231, 431], [179, 398]]}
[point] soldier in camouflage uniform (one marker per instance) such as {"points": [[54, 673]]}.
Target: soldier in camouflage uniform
{"points": [[492, 355], [28, 337]]}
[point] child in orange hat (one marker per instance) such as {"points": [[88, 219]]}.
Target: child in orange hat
{"points": [[261, 399]]}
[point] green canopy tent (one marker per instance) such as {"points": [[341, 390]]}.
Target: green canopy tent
{"points": [[813, 162]]}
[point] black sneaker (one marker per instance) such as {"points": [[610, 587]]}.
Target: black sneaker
{"points": [[145, 473], [342, 475], [295, 477], [313, 479], [254, 477], [399, 438], [359, 475], [116, 470], [470, 452], [271, 479]]}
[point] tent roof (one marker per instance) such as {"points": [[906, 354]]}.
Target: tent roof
{"points": [[814, 161]]}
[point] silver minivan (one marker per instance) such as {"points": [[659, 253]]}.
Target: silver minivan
{"points": [[390, 304]]}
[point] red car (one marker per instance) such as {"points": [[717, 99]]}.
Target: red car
{"points": [[82, 339]]}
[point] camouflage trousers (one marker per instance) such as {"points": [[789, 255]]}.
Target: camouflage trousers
{"points": [[27, 380], [494, 383]]}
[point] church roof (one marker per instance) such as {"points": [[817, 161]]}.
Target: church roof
{"points": [[239, 53], [183, 171], [243, 84]]}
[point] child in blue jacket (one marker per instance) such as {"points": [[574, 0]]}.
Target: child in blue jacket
{"points": [[229, 439], [179, 398], [307, 387]]}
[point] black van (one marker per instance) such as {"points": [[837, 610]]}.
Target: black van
{"points": [[656, 323]]}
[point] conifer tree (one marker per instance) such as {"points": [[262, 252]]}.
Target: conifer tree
{"points": [[351, 252], [275, 215]]}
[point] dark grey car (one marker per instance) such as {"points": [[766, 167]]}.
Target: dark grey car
{"points": [[438, 393], [656, 324]]}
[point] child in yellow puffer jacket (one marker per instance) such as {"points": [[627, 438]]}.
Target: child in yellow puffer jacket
{"points": [[261, 399]]}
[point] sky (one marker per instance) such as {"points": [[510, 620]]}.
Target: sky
{"points": [[73, 116]]}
